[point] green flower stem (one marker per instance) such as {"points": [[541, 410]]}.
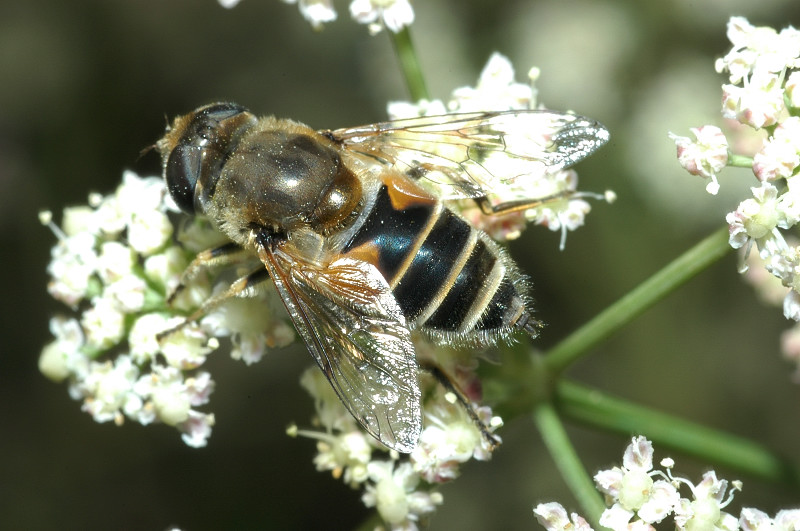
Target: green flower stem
{"points": [[570, 467], [637, 301], [593, 407], [740, 161], [409, 63]]}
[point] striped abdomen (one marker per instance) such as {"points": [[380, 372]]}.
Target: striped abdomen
{"points": [[449, 278]]}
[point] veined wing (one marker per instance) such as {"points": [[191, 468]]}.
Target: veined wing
{"points": [[469, 155], [357, 334]]}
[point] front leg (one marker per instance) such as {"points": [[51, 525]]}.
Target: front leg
{"points": [[224, 255], [508, 207], [249, 285]]}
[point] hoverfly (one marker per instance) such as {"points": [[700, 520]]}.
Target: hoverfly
{"points": [[352, 227]]}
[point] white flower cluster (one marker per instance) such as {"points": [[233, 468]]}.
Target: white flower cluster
{"points": [[114, 265], [705, 156], [496, 90], [402, 490], [376, 14], [640, 496], [764, 72]]}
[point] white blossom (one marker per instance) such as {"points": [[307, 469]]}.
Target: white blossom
{"points": [[127, 352], [142, 338], [149, 231], [345, 455], [554, 517], [103, 323], [450, 437], [496, 90], [792, 89], [759, 103], [251, 325], [316, 12], [377, 14], [400, 492], [632, 490], [392, 490], [188, 346], [196, 430], [758, 49], [564, 209], [72, 264], [63, 356], [108, 389], [705, 156], [704, 511]]}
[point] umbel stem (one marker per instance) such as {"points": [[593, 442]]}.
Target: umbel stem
{"points": [[409, 63]]}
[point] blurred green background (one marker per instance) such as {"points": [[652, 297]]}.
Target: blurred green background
{"points": [[85, 85]]}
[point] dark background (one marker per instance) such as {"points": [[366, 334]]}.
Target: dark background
{"points": [[85, 85]]}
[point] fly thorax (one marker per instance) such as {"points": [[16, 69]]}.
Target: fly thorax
{"points": [[289, 180]]}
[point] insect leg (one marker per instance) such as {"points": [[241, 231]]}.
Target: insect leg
{"points": [[226, 254], [515, 206], [451, 387], [528, 324], [247, 286]]}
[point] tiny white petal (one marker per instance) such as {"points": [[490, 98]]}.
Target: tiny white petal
{"points": [[149, 231], [103, 323], [197, 429]]}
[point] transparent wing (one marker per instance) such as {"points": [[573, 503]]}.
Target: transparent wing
{"points": [[467, 155], [354, 329]]}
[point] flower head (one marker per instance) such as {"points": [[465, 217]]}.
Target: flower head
{"points": [[763, 73], [554, 517], [393, 15], [346, 455], [633, 490], [403, 492], [496, 89], [640, 495], [705, 156], [780, 154], [378, 14], [114, 265], [756, 217], [316, 12], [758, 49], [450, 437], [511, 177], [704, 510], [392, 490], [758, 103]]}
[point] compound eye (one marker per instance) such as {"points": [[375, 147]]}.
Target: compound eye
{"points": [[216, 112], [182, 172], [201, 151], [205, 126]]}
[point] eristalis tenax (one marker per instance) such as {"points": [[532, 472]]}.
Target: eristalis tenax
{"points": [[353, 228]]}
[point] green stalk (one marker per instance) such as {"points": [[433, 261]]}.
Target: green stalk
{"points": [[568, 463], [409, 63], [594, 408], [652, 290], [740, 161]]}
